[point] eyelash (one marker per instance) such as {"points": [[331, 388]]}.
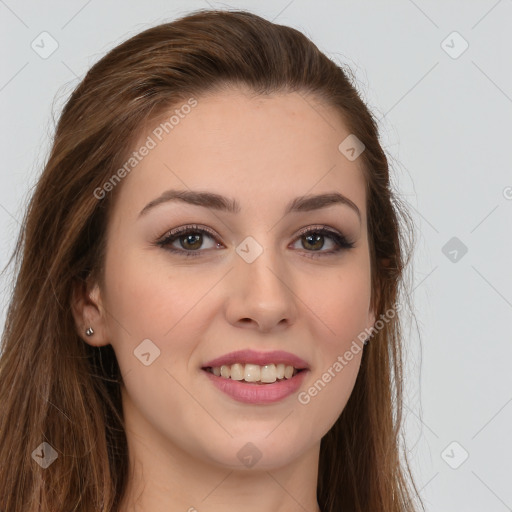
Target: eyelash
{"points": [[340, 240]]}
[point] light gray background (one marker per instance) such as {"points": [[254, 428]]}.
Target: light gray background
{"points": [[446, 125]]}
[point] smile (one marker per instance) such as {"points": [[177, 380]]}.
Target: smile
{"points": [[254, 373], [255, 377], [257, 392]]}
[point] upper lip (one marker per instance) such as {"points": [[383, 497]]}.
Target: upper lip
{"points": [[249, 356]]}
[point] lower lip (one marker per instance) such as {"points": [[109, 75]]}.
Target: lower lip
{"points": [[257, 393]]}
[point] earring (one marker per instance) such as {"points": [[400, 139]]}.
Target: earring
{"points": [[365, 342], [89, 331]]}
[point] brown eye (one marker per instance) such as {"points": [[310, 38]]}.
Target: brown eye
{"points": [[191, 240], [313, 240]]}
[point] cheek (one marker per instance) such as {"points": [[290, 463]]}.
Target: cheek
{"points": [[339, 314], [324, 398], [341, 303], [151, 300]]}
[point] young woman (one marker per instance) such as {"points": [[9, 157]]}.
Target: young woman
{"points": [[206, 310]]}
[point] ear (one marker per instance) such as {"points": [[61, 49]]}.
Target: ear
{"points": [[88, 311]]}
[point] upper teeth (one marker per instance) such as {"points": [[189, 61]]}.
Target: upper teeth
{"points": [[254, 372]]}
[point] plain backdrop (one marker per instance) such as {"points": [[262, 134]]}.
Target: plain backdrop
{"points": [[438, 76]]}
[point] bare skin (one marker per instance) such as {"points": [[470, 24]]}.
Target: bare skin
{"points": [[183, 433]]}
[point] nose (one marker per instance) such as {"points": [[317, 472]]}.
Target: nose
{"points": [[260, 294]]}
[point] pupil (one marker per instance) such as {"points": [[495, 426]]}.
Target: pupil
{"points": [[317, 237], [188, 239]]}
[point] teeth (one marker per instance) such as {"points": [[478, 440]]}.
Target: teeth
{"points": [[269, 373], [255, 373], [237, 371], [252, 373]]}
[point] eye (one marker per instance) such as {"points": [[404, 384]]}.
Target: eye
{"points": [[190, 238], [313, 239]]}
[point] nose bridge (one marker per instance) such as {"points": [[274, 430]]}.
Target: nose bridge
{"points": [[260, 272], [261, 288]]}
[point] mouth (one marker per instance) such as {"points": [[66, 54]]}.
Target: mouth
{"points": [[254, 373], [257, 378], [254, 367]]}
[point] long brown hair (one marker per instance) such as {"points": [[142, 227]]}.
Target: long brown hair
{"points": [[55, 388]]}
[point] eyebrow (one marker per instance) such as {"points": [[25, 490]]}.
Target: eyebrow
{"points": [[218, 202]]}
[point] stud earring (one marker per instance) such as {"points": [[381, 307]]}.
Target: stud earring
{"points": [[89, 331]]}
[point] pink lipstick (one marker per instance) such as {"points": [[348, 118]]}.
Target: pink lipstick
{"points": [[279, 381]]}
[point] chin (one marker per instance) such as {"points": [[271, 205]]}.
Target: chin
{"points": [[256, 452]]}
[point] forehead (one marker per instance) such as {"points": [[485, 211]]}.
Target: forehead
{"points": [[258, 148]]}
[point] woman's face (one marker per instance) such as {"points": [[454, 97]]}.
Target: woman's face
{"points": [[253, 281]]}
